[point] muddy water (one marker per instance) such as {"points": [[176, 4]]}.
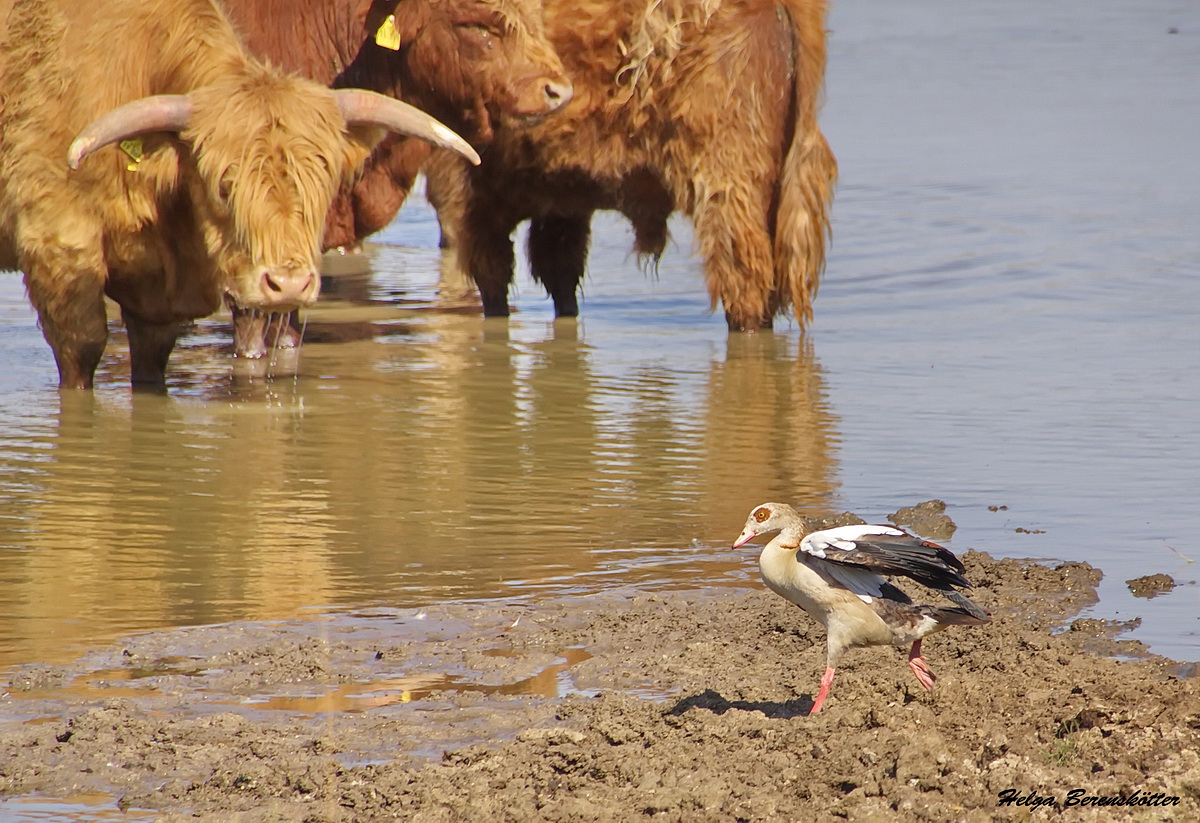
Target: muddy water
{"points": [[443, 458], [1009, 322]]}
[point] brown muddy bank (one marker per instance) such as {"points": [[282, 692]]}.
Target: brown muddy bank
{"points": [[679, 705]]}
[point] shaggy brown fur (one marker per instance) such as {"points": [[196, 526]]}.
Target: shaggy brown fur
{"points": [[708, 107], [470, 63], [317, 39], [240, 193], [466, 62]]}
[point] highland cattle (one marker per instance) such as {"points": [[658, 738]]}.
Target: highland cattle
{"points": [[707, 107], [146, 156]]}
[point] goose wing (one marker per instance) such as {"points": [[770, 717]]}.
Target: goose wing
{"points": [[887, 550]]}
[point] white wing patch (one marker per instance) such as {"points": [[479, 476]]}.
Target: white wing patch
{"points": [[843, 538]]}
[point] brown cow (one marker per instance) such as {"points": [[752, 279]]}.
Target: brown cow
{"points": [[467, 62], [471, 64], [704, 106], [238, 164]]}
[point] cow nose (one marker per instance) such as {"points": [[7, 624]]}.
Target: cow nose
{"points": [[287, 287], [539, 95], [558, 94]]}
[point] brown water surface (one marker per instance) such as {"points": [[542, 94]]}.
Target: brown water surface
{"points": [[459, 459]]}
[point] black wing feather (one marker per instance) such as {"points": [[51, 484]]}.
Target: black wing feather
{"points": [[966, 605], [927, 563]]}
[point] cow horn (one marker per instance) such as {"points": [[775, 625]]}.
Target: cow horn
{"points": [[362, 106], [161, 112]]}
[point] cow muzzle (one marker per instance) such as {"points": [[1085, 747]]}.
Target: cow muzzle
{"points": [[283, 288]]}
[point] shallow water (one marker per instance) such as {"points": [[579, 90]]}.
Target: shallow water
{"points": [[1009, 319], [89, 808]]}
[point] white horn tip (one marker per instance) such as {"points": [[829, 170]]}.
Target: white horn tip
{"points": [[76, 152], [454, 141]]}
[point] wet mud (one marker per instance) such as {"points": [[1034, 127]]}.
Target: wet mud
{"points": [[1151, 585], [670, 705]]}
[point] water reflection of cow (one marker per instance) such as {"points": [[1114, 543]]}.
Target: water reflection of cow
{"points": [[264, 499], [228, 169], [707, 107]]}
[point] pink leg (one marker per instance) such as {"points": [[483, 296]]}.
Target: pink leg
{"points": [[920, 668], [826, 682]]}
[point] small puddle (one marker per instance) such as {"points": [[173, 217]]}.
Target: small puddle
{"points": [[80, 808], [109, 683], [552, 681]]}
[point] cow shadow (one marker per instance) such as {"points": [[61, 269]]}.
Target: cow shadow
{"points": [[714, 702]]}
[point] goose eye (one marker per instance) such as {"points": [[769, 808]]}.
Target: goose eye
{"points": [[761, 514]]}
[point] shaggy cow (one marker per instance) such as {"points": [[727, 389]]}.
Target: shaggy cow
{"points": [[704, 106], [467, 62], [221, 184]]}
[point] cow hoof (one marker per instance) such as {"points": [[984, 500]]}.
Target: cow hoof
{"points": [[493, 308]]}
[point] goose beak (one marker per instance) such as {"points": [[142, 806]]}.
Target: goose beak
{"points": [[745, 537]]}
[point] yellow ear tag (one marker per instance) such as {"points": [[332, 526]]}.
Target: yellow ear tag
{"points": [[388, 35], [133, 148]]}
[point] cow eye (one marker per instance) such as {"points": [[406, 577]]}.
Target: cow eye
{"points": [[224, 189], [480, 32]]}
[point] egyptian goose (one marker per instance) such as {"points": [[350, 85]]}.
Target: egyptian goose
{"points": [[835, 576]]}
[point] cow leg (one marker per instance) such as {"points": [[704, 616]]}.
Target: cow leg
{"points": [[732, 231], [737, 322], [734, 185], [558, 247], [493, 281], [450, 189], [150, 346], [77, 355], [485, 251], [447, 183], [73, 320], [476, 229]]}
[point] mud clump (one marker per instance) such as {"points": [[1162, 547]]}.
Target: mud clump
{"points": [[38, 677], [1151, 585], [928, 519]]}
